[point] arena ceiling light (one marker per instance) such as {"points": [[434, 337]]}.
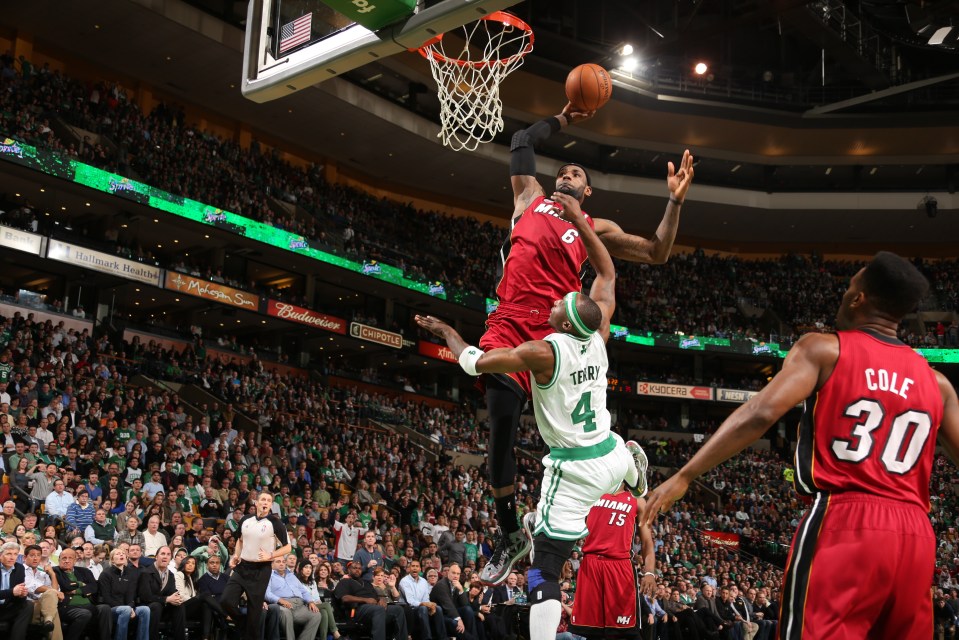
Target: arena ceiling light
{"points": [[939, 36]]}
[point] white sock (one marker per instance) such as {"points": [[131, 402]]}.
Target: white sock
{"points": [[544, 617]]}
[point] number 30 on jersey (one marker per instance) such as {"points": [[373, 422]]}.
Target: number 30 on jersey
{"points": [[907, 436]]}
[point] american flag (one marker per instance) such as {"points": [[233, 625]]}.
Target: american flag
{"points": [[296, 32]]}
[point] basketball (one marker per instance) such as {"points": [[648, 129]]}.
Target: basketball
{"points": [[588, 87]]}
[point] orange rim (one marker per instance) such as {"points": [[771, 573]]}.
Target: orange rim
{"points": [[497, 16]]}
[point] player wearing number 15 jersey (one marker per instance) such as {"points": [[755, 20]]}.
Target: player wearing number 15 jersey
{"points": [[862, 560], [607, 600]]}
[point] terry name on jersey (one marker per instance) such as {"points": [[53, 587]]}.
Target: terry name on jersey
{"points": [[882, 380], [587, 374]]}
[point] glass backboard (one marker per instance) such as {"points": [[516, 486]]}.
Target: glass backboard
{"points": [[294, 44]]}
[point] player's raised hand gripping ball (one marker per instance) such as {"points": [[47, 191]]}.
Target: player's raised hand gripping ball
{"points": [[588, 87]]}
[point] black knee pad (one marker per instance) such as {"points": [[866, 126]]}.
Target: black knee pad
{"points": [[546, 591]]}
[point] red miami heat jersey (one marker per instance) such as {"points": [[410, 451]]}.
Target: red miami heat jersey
{"points": [[872, 426], [612, 526], [543, 259]]}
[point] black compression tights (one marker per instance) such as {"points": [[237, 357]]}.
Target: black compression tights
{"points": [[505, 406]]}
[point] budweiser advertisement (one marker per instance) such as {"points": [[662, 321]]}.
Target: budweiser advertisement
{"points": [[379, 336], [719, 538], [666, 390], [438, 351], [293, 313], [211, 291]]}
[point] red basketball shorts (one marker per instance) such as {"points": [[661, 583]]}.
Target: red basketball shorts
{"points": [[606, 603], [510, 326], [861, 566]]}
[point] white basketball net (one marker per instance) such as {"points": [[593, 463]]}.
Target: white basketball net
{"points": [[468, 78]]}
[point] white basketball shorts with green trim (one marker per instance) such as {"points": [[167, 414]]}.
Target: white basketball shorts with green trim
{"points": [[574, 480]]}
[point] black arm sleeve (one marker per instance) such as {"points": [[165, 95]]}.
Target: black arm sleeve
{"points": [[523, 159]]}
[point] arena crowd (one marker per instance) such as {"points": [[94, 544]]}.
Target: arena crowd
{"points": [[122, 501], [694, 293]]}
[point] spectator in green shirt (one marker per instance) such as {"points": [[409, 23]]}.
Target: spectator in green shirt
{"points": [[136, 489], [6, 367], [119, 458], [321, 496], [182, 499], [51, 455], [20, 449]]}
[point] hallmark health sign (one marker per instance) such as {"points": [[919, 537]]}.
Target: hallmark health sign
{"points": [[293, 313], [104, 262]]}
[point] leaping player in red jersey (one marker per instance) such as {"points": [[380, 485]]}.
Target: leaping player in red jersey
{"points": [[543, 260], [862, 559], [607, 600]]}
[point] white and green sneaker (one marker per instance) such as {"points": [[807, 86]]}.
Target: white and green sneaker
{"points": [[640, 489]]}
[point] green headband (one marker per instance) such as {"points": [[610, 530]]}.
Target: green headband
{"points": [[579, 327]]}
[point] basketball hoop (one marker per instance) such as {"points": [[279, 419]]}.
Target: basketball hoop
{"points": [[467, 81]]}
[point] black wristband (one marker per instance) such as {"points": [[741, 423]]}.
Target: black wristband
{"points": [[676, 202]]}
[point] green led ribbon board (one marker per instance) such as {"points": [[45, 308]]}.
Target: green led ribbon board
{"points": [[53, 164]]}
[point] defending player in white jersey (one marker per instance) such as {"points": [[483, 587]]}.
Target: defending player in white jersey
{"points": [[586, 459]]}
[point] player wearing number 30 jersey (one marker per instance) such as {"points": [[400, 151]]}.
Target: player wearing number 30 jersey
{"points": [[862, 559], [872, 425]]}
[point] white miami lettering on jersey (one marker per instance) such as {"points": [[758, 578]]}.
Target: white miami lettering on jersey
{"points": [[615, 505], [549, 208]]}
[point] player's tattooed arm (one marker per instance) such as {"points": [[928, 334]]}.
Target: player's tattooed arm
{"points": [[653, 250]]}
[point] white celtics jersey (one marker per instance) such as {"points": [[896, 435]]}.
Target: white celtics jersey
{"points": [[571, 408]]}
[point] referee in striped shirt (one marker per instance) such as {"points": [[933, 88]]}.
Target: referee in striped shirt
{"points": [[262, 538]]}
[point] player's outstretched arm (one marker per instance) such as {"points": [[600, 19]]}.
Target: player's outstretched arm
{"points": [[603, 291], [655, 250], [805, 369], [535, 356], [522, 164], [647, 582], [949, 429]]}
